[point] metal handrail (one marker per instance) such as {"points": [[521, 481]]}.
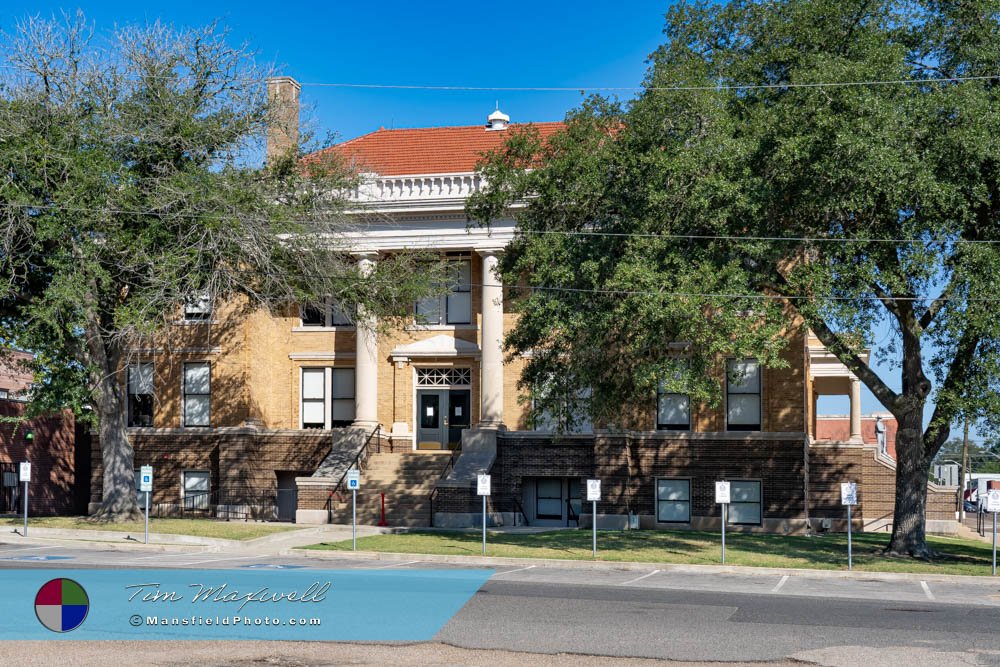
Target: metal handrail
{"points": [[448, 467], [518, 508], [361, 458], [571, 514]]}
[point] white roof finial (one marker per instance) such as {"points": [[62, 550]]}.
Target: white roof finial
{"points": [[497, 120]]}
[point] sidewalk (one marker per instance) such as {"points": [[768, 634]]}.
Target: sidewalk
{"points": [[121, 540]]}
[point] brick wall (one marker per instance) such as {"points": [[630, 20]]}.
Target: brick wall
{"points": [[242, 462], [59, 456], [876, 479]]}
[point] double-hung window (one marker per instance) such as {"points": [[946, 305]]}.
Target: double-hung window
{"points": [[455, 306], [743, 404], [673, 500], [567, 414], [744, 505], [673, 411], [197, 489], [327, 397], [140, 394], [198, 309], [197, 393], [330, 314]]}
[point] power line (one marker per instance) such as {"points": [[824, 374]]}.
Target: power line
{"points": [[573, 89], [678, 88], [728, 295]]}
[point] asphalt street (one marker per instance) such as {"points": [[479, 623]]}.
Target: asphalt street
{"points": [[675, 613]]}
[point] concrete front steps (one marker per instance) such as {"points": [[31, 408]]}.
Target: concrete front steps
{"points": [[406, 479]]}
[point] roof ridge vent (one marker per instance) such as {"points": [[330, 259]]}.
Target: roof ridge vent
{"points": [[497, 120]]}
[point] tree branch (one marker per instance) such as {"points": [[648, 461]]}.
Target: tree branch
{"points": [[944, 411]]}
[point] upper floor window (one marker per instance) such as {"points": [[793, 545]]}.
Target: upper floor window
{"points": [[455, 306], [331, 314], [140, 394], [197, 393], [565, 414], [673, 410], [198, 309], [743, 395]]}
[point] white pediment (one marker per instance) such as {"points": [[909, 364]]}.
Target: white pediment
{"points": [[436, 346]]}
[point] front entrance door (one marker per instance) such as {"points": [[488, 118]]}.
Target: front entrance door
{"points": [[442, 415]]}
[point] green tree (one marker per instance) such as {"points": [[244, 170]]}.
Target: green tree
{"points": [[129, 189], [735, 197]]}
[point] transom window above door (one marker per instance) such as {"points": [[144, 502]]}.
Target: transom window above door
{"points": [[444, 377]]}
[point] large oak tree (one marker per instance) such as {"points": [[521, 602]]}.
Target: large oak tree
{"points": [[753, 183], [130, 185]]}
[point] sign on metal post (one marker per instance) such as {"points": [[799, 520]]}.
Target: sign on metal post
{"points": [[849, 498], [354, 483], [483, 489], [993, 506], [593, 495], [146, 486], [25, 476], [722, 498]]}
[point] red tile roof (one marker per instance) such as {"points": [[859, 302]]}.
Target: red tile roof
{"points": [[432, 150]]}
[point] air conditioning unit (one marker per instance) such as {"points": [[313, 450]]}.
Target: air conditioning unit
{"points": [[826, 524]]}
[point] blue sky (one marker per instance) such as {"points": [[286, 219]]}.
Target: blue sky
{"points": [[438, 43], [480, 44]]}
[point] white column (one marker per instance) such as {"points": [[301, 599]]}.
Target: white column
{"points": [[491, 379], [366, 362], [855, 410]]}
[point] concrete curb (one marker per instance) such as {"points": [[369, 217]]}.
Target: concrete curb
{"points": [[120, 536], [122, 545], [859, 575]]}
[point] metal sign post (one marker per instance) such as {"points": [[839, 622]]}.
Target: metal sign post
{"points": [[722, 498], [25, 475], [146, 486], [593, 495], [354, 483], [849, 498], [993, 506], [483, 489]]}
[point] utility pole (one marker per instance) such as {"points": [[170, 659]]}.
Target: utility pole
{"points": [[964, 472]]}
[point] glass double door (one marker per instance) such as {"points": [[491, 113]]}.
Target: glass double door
{"points": [[442, 415]]}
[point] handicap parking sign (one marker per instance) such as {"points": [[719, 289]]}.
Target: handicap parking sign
{"points": [[353, 480]]}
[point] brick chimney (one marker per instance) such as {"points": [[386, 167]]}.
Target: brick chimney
{"points": [[283, 128]]}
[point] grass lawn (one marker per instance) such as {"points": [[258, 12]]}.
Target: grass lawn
{"points": [[829, 552], [230, 530]]}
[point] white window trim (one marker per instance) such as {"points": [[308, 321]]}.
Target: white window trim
{"points": [[184, 423], [328, 397]]}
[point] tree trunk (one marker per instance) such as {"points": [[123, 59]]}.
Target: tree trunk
{"points": [[118, 501], [119, 497], [909, 536]]}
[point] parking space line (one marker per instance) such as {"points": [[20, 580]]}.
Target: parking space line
{"points": [[386, 567], [10, 551], [927, 590], [520, 569], [219, 560], [632, 581], [777, 587]]}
